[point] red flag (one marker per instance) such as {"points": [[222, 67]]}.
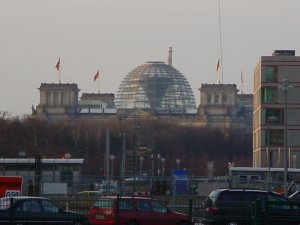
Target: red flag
{"points": [[96, 77], [58, 65], [218, 65]]}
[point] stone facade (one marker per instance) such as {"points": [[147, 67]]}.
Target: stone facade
{"points": [[221, 107]]}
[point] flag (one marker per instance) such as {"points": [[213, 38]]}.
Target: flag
{"points": [[218, 65], [96, 77], [58, 65]]}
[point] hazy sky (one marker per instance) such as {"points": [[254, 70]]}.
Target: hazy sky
{"points": [[116, 36]]}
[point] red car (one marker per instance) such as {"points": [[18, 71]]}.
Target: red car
{"points": [[108, 210]]}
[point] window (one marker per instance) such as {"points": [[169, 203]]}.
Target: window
{"points": [[269, 95], [125, 204], [104, 203], [274, 116], [158, 207], [31, 206], [271, 73], [67, 176], [276, 137], [224, 100], [230, 199], [209, 99], [143, 206], [49, 207], [4, 203], [217, 99]]}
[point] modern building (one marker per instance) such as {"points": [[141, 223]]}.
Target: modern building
{"points": [[60, 172], [276, 110]]}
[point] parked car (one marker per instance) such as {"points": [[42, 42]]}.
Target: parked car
{"points": [[236, 207], [109, 210], [109, 188], [36, 210], [84, 199]]}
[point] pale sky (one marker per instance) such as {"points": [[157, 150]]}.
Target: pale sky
{"points": [[116, 36]]}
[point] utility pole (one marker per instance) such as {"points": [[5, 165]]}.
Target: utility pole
{"points": [[123, 155]]}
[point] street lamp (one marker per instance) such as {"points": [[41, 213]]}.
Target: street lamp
{"points": [[158, 165], [112, 158], [177, 163], [163, 166], [270, 120], [123, 155], [152, 171], [141, 165], [285, 90]]}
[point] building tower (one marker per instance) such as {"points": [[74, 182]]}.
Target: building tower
{"points": [[58, 101], [269, 125], [222, 107]]}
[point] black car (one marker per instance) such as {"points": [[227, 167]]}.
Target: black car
{"points": [[36, 210], [237, 207]]}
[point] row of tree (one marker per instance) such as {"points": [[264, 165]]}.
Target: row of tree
{"points": [[194, 146]]}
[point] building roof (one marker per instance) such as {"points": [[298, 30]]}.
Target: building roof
{"points": [[155, 85]]}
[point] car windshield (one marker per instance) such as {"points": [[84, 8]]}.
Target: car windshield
{"points": [[211, 199], [104, 203], [4, 203]]}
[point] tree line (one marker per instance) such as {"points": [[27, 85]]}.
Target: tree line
{"points": [[194, 146]]}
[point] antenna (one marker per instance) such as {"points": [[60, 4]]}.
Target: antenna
{"points": [[220, 32]]}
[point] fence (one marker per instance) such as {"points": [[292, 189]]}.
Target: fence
{"points": [[258, 213], [156, 185]]}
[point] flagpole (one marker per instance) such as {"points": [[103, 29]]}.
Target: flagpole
{"points": [[97, 77], [217, 69], [220, 31], [59, 75], [99, 85], [242, 83], [57, 66]]}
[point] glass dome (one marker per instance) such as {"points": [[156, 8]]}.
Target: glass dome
{"points": [[155, 85]]}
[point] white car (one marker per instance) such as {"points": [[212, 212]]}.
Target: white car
{"points": [[109, 188]]}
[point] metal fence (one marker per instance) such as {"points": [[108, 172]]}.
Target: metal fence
{"points": [[258, 213]]}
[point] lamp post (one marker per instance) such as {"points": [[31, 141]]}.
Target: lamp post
{"points": [[270, 120], [123, 156], [141, 165], [285, 90], [163, 166], [152, 171], [177, 163], [112, 158], [158, 165]]}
